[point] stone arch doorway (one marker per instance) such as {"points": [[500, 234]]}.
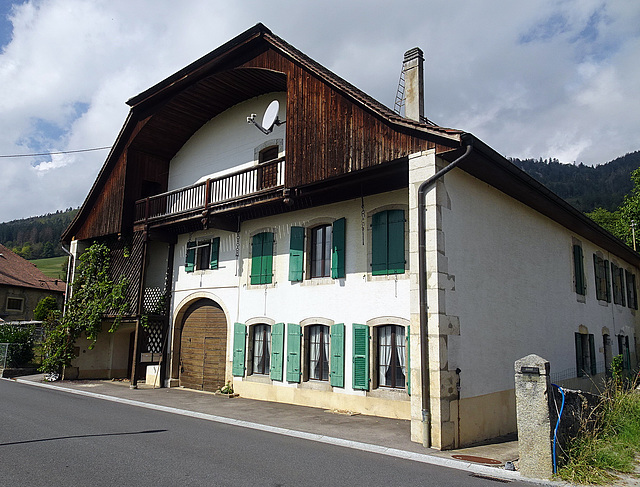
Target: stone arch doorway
{"points": [[203, 346]]}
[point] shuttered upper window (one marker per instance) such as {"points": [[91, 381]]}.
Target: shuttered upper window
{"points": [[617, 278], [578, 270], [202, 254], [603, 278], [325, 251], [387, 246], [632, 297], [262, 258]]}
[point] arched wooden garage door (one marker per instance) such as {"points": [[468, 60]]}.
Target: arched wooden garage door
{"points": [[203, 346]]}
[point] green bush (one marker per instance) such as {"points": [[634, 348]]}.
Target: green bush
{"points": [[20, 339], [44, 307]]}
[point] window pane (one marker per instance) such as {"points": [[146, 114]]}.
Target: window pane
{"points": [[391, 356], [261, 349], [321, 251], [318, 362]]}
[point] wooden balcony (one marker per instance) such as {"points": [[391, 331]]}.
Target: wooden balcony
{"points": [[241, 188]]}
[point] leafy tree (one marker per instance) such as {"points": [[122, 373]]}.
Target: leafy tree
{"points": [[44, 307], [630, 209], [609, 220], [93, 295]]}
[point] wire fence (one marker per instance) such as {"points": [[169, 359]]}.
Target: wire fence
{"points": [[4, 350]]}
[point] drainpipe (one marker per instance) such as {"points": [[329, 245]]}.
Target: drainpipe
{"points": [[66, 287], [422, 287]]}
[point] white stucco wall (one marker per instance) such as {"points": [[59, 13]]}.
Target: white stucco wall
{"points": [[513, 287], [226, 143], [357, 298]]}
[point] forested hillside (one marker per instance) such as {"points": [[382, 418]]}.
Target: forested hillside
{"points": [[585, 187], [37, 237]]}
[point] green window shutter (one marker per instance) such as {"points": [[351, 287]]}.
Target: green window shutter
{"points": [[277, 351], [262, 258], [296, 254], [215, 252], [379, 239], [239, 333], [395, 246], [338, 249], [360, 357], [578, 269], [336, 367], [267, 258], [592, 354], [596, 273], [579, 364], [408, 355], [293, 352], [622, 287], [190, 260], [607, 275], [256, 258], [626, 358]]}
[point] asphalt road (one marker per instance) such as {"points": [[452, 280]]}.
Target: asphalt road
{"points": [[53, 438]]}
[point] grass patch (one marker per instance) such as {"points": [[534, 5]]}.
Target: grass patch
{"points": [[608, 441], [51, 267]]}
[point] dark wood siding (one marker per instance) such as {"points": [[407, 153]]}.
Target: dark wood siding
{"points": [[329, 135], [106, 212]]}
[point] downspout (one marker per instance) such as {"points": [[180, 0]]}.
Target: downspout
{"points": [[66, 284], [422, 288]]}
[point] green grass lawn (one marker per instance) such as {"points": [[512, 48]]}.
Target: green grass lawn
{"points": [[51, 267]]}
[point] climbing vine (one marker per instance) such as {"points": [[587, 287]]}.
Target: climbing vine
{"points": [[94, 294]]}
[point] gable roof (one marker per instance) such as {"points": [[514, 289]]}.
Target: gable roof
{"points": [[163, 117], [18, 272]]}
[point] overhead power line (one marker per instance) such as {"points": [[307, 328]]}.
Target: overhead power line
{"points": [[55, 153]]}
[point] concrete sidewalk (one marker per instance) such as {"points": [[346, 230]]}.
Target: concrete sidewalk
{"points": [[369, 433]]}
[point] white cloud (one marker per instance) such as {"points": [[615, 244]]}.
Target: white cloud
{"points": [[532, 79]]}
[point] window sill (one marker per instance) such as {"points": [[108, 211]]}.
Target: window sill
{"points": [[316, 385], [318, 281], [388, 393], [262, 379], [387, 277]]}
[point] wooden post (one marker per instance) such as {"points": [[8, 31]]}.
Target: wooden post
{"points": [[139, 310]]}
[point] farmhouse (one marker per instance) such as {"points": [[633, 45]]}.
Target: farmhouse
{"points": [[284, 231], [22, 286]]}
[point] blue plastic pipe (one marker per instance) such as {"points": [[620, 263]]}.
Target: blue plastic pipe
{"points": [[555, 432]]}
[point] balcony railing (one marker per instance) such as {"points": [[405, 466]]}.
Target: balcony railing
{"points": [[213, 192]]}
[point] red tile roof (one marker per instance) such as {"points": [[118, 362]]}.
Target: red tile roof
{"points": [[18, 272]]}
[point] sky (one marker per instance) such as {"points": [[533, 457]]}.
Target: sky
{"points": [[541, 78]]}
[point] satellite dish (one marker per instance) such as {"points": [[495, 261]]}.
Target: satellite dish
{"points": [[269, 119], [270, 115]]}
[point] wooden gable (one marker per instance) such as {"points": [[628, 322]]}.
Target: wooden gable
{"points": [[332, 128]]}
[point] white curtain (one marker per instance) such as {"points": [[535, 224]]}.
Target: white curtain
{"points": [[401, 349], [261, 340], [326, 346], [384, 356], [314, 353]]}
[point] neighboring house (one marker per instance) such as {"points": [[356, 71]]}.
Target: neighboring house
{"points": [[22, 286], [324, 261]]}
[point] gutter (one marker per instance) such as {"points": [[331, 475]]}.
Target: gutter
{"points": [[422, 288]]}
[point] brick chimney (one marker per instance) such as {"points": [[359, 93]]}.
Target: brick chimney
{"points": [[413, 67]]}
